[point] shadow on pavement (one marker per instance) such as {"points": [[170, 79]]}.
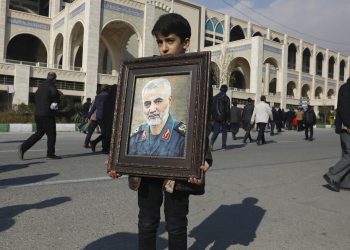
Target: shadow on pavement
{"points": [[12, 167], [229, 225], [126, 241], [7, 214], [25, 180], [66, 156], [13, 141]]}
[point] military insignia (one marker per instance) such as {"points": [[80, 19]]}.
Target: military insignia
{"points": [[181, 128], [166, 134], [144, 136]]}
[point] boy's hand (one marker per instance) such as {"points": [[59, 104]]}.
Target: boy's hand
{"points": [[196, 181], [112, 173]]}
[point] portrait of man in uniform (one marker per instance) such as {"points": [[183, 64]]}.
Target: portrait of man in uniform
{"points": [[160, 133]]}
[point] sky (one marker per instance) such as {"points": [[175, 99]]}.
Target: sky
{"points": [[324, 22]]}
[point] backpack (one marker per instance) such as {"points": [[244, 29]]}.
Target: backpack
{"points": [[309, 117], [218, 108]]}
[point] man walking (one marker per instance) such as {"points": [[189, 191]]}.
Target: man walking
{"points": [[46, 104], [341, 169], [309, 122], [221, 116], [262, 113], [246, 117], [235, 119]]}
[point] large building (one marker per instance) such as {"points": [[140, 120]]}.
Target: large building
{"points": [[85, 41]]}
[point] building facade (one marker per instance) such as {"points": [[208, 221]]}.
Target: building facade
{"points": [[85, 41]]}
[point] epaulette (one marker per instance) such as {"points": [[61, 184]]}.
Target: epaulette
{"points": [[139, 130], [181, 128]]}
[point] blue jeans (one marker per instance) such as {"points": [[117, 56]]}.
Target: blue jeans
{"points": [[217, 128]]}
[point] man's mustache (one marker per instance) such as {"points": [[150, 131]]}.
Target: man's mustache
{"points": [[153, 115]]}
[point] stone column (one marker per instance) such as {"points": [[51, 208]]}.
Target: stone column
{"points": [[21, 84], [3, 15], [227, 29], [326, 74], [55, 7], [249, 30], [313, 71], [91, 46], [299, 68], [202, 29], [267, 79], [256, 61], [149, 20], [283, 72]]}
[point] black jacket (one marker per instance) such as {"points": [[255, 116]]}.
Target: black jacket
{"points": [[343, 107], [221, 107], [45, 95], [247, 112]]}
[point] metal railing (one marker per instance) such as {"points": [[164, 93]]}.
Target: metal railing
{"points": [[65, 85]]}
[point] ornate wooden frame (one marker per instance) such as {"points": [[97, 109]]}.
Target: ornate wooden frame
{"points": [[197, 64]]}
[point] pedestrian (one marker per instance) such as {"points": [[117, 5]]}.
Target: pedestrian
{"points": [[172, 33], [300, 117], [46, 105], [92, 124], [99, 107], [246, 118], [85, 113], [108, 115], [273, 123], [235, 119], [221, 116], [340, 171], [309, 122], [289, 119], [261, 114]]}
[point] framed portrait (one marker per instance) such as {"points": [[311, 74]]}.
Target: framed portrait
{"points": [[160, 117]]}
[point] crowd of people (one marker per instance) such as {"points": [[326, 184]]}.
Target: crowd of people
{"points": [[261, 116]]}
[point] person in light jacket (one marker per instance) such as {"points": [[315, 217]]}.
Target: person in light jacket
{"points": [[261, 114]]}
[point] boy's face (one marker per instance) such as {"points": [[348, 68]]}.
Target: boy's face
{"points": [[171, 45]]}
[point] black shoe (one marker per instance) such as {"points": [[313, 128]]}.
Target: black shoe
{"points": [[306, 138], [311, 139], [258, 142], [20, 152], [334, 186], [93, 147], [244, 141], [54, 157]]}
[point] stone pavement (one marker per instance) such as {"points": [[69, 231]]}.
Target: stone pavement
{"points": [[258, 197]]}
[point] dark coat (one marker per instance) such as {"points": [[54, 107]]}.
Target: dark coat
{"points": [[99, 105], [247, 114], [309, 112], [45, 95], [343, 108]]}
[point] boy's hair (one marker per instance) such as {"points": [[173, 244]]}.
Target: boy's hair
{"points": [[172, 23]]}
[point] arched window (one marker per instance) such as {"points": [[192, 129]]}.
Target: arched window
{"points": [[341, 70], [209, 33], [236, 33], [306, 60], [292, 51], [319, 63], [331, 63], [219, 33]]}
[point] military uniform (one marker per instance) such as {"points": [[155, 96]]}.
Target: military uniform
{"points": [[170, 142]]}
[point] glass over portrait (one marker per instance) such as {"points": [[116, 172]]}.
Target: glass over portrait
{"points": [[159, 116]]}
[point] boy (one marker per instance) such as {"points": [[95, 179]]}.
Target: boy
{"points": [[172, 33]]}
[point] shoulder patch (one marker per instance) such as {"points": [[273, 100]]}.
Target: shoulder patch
{"points": [[181, 128], [139, 130]]}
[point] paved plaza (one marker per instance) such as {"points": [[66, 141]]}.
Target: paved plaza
{"points": [[257, 197]]}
